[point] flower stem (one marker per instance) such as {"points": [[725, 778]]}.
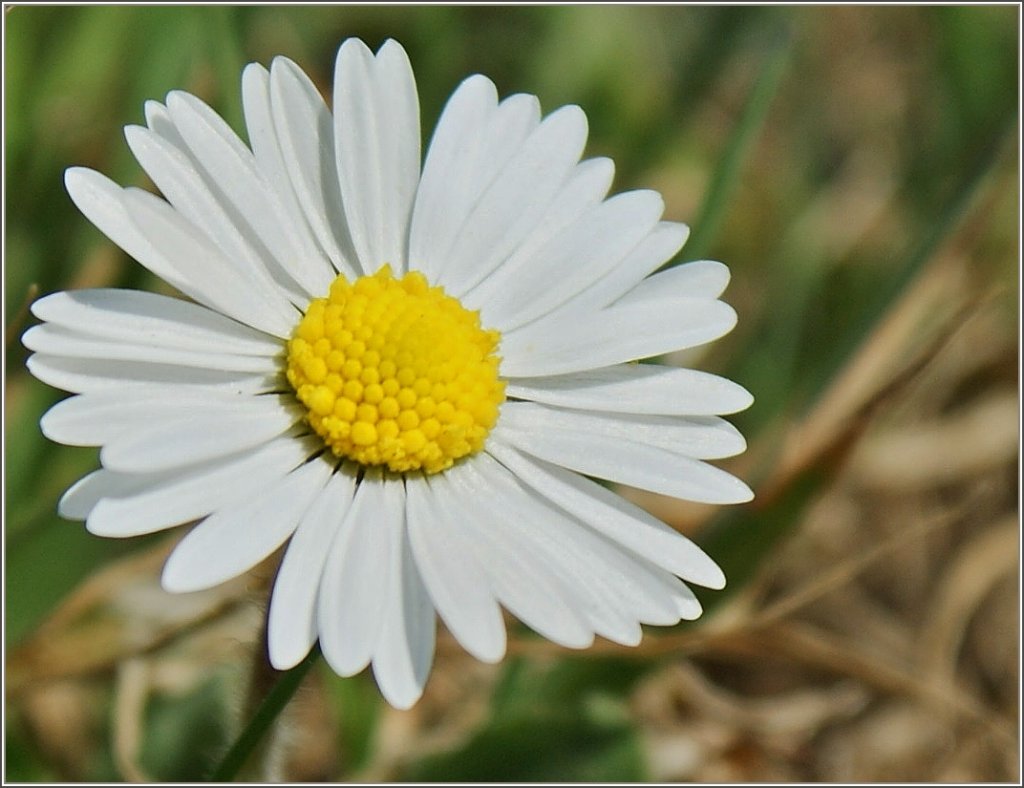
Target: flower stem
{"points": [[267, 711]]}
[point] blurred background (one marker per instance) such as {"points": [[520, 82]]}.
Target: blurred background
{"points": [[856, 167]]}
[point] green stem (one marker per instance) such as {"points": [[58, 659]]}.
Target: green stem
{"points": [[272, 705]]}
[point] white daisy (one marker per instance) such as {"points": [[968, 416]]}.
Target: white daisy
{"points": [[407, 372]]}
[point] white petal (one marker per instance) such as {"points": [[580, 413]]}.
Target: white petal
{"points": [[157, 244], [154, 320], [159, 120], [663, 243], [585, 251], [702, 437], [82, 496], [457, 140], [99, 199], [73, 343], [687, 604], [185, 258], [230, 169], [517, 200], [354, 593], [233, 540], [613, 516], [612, 336], [514, 120], [636, 388], [292, 624], [453, 577], [305, 134], [536, 596], [585, 188], [472, 143], [405, 651], [97, 417], [203, 204], [635, 464], [699, 279], [309, 265], [377, 144], [215, 431], [589, 571], [87, 374], [162, 500], [615, 588]]}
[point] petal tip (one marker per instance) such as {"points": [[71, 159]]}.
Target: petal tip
{"points": [[172, 579], [490, 652], [402, 702], [391, 45], [135, 134], [354, 47], [68, 509], [284, 656], [177, 579], [743, 399], [74, 174], [79, 180], [743, 494], [715, 579]]}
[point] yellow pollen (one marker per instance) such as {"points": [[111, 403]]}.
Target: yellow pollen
{"points": [[395, 372]]}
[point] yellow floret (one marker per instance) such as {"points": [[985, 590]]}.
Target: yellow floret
{"points": [[364, 434]]}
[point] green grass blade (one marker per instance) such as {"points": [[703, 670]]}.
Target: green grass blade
{"points": [[726, 175]]}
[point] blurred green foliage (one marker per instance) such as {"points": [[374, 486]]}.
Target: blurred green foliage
{"points": [[564, 723], [751, 120]]}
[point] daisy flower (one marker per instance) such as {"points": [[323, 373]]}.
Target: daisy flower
{"points": [[407, 372]]}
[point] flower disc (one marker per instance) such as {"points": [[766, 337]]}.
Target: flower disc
{"points": [[395, 372]]}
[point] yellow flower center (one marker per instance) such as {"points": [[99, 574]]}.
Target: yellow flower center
{"points": [[395, 372]]}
